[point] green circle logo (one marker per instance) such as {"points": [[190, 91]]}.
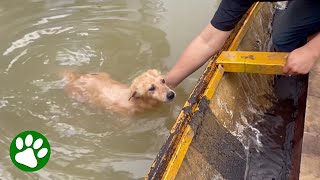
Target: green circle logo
{"points": [[30, 151]]}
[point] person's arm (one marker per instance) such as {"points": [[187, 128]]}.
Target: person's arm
{"points": [[210, 40], [207, 43], [301, 60]]}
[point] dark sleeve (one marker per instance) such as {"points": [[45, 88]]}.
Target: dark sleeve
{"points": [[229, 13]]}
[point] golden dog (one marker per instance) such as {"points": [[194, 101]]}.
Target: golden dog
{"points": [[101, 90]]}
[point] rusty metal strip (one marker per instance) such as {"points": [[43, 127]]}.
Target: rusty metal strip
{"points": [[167, 151], [253, 62]]}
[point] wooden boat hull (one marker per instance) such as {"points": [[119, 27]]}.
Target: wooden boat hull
{"points": [[208, 138]]}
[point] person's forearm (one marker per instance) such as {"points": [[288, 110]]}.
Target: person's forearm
{"points": [[314, 45], [209, 42]]}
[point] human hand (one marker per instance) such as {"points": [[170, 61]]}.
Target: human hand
{"points": [[300, 61]]}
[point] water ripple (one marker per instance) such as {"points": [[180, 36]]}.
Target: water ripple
{"points": [[24, 52], [31, 37], [46, 19], [75, 58]]}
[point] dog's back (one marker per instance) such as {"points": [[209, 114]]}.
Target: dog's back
{"points": [[97, 89]]}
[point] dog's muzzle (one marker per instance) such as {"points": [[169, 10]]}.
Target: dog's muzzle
{"points": [[171, 95]]}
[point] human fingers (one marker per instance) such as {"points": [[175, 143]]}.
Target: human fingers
{"points": [[286, 69]]}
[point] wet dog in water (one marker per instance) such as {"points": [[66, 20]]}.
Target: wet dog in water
{"points": [[101, 90]]}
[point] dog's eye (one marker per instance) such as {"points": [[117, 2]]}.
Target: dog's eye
{"points": [[163, 81], [152, 88]]}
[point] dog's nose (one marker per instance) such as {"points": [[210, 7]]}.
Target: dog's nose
{"points": [[171, 95]]}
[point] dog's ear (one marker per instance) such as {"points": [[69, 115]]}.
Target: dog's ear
{"points": [[132, 94]]}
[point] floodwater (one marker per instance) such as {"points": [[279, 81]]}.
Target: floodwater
{"points": [[39, 38]]}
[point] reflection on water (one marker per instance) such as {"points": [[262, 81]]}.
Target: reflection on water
{"points": [[39, 38]]}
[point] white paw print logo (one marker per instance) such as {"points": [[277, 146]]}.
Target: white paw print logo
{"points": [[30, 151]]}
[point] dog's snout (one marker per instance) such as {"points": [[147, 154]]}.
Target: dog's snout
{"points": [[171, 95]]}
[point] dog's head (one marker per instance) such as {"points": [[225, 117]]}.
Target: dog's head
{"points": [[151, 84]]}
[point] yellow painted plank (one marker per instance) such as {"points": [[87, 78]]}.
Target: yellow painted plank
{"points": [[253, 62], [177, 158], [212, 86]]}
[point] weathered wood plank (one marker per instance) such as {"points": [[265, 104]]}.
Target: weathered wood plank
{"points": [[310, 160]]}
